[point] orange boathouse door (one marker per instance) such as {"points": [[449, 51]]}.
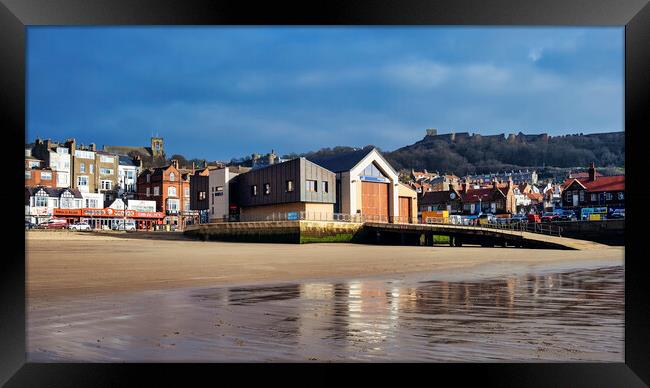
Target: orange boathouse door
{"points": [[404, 209], [374, 200]]}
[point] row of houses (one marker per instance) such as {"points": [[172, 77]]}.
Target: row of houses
{"points": [[360, 184], [469, 196]]}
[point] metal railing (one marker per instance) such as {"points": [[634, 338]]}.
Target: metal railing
{"points": [[533, 227], [519, 226], [317, 216]]}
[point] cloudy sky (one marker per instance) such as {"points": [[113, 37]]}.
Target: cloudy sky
{"points": [[223, 92]]}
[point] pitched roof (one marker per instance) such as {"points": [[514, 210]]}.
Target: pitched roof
{"points": [[341, 162], [432, 197], [535, 196], [127, 161], [603, 183], [52, 191], [473, 195]]}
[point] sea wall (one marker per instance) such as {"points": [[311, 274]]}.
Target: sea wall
{"points": [[296, 232], [610, 232]]}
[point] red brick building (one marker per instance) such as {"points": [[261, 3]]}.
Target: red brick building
{"points": [[40, 177], [594, 190], [167, 186]]}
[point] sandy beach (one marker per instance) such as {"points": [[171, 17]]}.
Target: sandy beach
{"points": [[105, 297], [77, 263]]}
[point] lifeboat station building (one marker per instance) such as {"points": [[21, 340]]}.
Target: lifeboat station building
{"points": [[367, 185], [295, 189]]}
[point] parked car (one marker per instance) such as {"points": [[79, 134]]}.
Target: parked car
{"points": [[566, 215], [120, 225], [55, 223], [534, 218], [550, 217], [518, 218], [29, 225], [80, 226], [617, 213]]}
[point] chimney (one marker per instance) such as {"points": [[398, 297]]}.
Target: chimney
{"points": [[193, 167], [592, 172], [175, 163], [72, 145], [92, 147]]}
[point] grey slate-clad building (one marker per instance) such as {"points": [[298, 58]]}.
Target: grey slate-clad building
{"points": [[297, 185]]}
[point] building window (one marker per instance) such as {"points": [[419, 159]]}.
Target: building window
{"points": [[129, 174], [173, 204], [107, 159], [82, 181], [82, 167], [147, 192], [594, 197], [201, 195], [608, 196], [582, 195], [310, 186], [40, 200], [289, 186], [148, 178], [267, 188], [186, 191], [325, 187], [28, 174], [171, 191], [156, 190], [254, 190], [92, 168], [172, 176], [46, 176], [67, 200], [620, 196], [106, 171], [107, 185], [55, 202]]}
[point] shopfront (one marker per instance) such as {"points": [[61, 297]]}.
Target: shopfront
{"points": [[105, 218]]}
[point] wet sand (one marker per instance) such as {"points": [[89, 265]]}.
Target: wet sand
{"points": [[567, 316], [76, 264]]}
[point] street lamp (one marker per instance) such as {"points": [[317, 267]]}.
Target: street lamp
{"points": [[124, 195]]}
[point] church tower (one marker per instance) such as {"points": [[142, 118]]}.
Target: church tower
{"points": [[157, 149]]}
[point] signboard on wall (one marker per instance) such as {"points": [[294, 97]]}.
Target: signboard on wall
{"points": [[106, 212], [373, 179]]}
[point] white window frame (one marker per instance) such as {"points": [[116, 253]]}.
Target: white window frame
{"points": [[156, 191], [79, 179], [171, 191]]}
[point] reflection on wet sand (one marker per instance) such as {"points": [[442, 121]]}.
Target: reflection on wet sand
{"points": [[560, 316]]}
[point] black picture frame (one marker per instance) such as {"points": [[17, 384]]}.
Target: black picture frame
{"points": [[16, 15]]}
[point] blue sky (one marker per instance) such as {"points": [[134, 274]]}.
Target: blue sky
{"points": [[223, 92]]}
